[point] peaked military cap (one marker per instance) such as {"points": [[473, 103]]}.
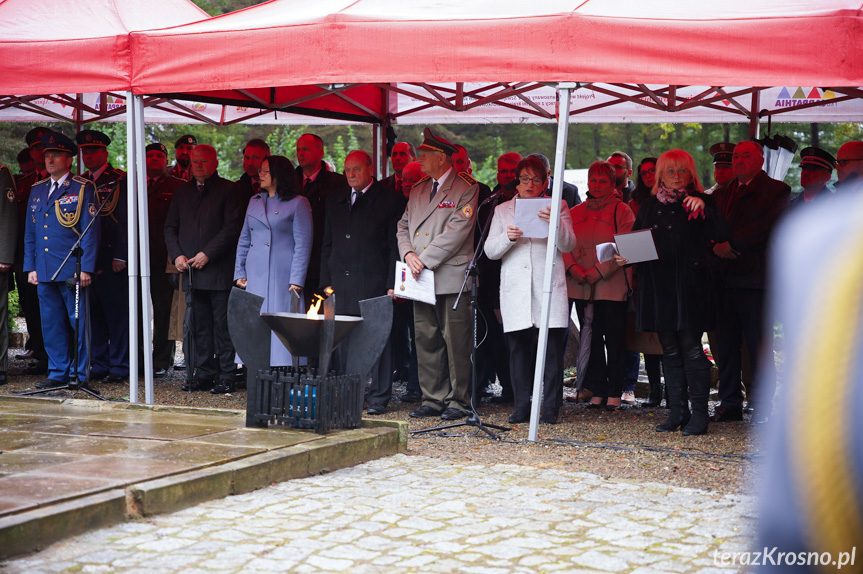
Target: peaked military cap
{"points": [[157, 147], [186, 139], [55, 141], [817, 157], [432, 142], [721, 152], [92, 138], [34, 136]]}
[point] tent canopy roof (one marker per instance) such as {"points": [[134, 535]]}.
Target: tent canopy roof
{"points": [[294, 42], [57, 47]]}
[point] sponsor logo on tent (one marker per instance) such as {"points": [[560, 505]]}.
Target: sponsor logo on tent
{"points": [[789, 97], [199, 106]]}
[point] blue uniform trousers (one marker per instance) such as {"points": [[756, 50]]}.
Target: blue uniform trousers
{"points": [[109, 315], [57, 306]]}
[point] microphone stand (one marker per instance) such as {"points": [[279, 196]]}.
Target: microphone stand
{"points": [[473, 420], [75, 383]]}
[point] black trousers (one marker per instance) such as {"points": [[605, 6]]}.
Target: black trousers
{"points": [[214, 350], [522, 362], [741, 320], [162, 293], [493, 354], [29, 301], [608, 336], [682, 351]]}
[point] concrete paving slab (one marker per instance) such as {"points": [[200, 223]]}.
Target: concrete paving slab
{"points": [[258, 438], [59, 455], [157, 431]]}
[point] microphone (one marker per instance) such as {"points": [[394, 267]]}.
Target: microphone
{"points": [[492, 197]]}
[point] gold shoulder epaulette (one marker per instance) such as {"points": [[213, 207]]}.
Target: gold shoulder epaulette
{"points": [[81, 179], [119, 171], [467, 177], [41, 181], [423, 179]]}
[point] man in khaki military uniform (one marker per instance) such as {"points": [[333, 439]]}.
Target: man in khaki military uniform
{"points": [[8, 242], [436, 232]]}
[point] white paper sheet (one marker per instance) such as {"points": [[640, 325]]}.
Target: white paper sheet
{"points": [[406, 287], [606, 251], [526, 217]]}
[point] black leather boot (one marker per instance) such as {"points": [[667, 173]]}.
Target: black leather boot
{"points": [[654, 399], [699, 394], [675, 385]]}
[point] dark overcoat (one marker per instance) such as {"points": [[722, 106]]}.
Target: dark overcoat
{"points": [[751, 212], [359, 249], [676, 292], [208, 221], [317, 192]]}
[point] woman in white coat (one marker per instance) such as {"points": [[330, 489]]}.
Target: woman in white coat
{"points": [[275, 244], [521, 275]]}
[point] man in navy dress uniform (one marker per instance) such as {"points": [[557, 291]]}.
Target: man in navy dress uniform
{"points": [[109, 298], [59, 209]]}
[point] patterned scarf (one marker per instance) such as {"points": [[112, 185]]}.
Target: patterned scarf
{"points": [[666, 195]]}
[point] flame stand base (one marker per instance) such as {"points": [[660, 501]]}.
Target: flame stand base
{"points": [[294, 399]]}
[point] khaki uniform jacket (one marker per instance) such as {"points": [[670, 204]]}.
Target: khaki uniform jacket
{"points": [[441, 232]]}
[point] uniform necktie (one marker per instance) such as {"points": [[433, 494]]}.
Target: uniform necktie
{"points": [[150, 182], [353, 197], [306, 182], [398, 184], [434, 191], [54, 187]]}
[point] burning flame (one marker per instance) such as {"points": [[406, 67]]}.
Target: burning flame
{"points": [[313, 310]]}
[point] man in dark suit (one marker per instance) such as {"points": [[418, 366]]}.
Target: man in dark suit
{"points": [[34, 350], [317, 184], [751, 205], [623, 171], [8, 241], [403, 153], [109, 308], [250, 183], [358, 255], [201, 233], [160, 192]]}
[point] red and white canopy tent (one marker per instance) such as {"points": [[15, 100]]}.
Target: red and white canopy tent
{"points": [[341, 57], [53, 52], [352, 60]]}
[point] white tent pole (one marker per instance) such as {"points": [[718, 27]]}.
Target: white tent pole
{"points": [[132, 237], [378, 158], [144, 242], [564, 90]]}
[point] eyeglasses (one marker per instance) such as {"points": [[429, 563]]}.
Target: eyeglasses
{"points": [[648, 171], [847, 161], [506, 171], [534, 180], [681, 171], [619, 167]]}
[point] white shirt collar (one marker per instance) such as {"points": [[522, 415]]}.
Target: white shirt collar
{"points": [[59, 184], [442, 178]]}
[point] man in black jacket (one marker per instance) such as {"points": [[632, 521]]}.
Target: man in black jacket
{"points": [[160, 191], [317, 184], [201, 233], [358, 255], [751, 205], [250, 182]]}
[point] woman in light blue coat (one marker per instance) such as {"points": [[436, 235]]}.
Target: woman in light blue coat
{"points": [[275, 244]]}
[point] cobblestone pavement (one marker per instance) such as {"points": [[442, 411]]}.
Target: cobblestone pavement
{"points": [[417, 514]]}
